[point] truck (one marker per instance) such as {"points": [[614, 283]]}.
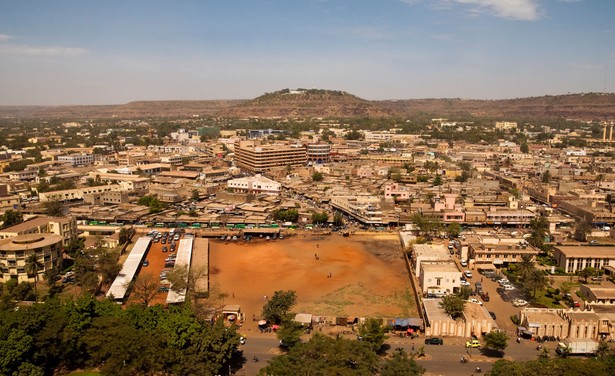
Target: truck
{"points": [[577, 346]]}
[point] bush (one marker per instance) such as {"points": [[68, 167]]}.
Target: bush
{"points": [[551, 292], [515, 319], [557, 297]]}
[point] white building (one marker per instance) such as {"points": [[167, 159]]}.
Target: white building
{"points": [[256, 184], [428, 253], [77, 159], [439, 278], [365, 209]]}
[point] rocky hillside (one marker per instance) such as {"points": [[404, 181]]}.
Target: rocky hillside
{"points": [[318, 103], [302, 103]]}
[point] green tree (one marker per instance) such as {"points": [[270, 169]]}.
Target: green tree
{"points": [[289, 333], [400, 364], [586, 273], [372, 331], [539, 226], [453, 229], [323, 355], [338, 219], [126, 234], [53, 208], [195, 195], [32, 267], [546, 177], [279, 305], [536, 280], [604, 350], [317, 176], [11, 218], [437, 181], [496, 340], [108, 266], [320, 218], [289, 215], [453, 305], [582, 229], [524, 148], [525, 266]]}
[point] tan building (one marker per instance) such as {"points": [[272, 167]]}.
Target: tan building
{"points": [[15, 251], [66, 228], [573, 259], [439, 278], [255, 157]]}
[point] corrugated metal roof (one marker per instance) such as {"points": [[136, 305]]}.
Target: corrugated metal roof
{"points": [[183, 259], [119, 287]]}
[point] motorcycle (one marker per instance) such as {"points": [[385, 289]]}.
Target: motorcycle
{"points": [[255, 359]]}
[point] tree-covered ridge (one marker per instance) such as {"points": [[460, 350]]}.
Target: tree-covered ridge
{"points": [[56, 336]]}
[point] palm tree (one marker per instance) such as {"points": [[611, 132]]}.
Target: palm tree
{"points": [[526, 266], [536, 280], [32, 268], [583, 229]]}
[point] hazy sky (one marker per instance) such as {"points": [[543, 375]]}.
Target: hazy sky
{"points": [[107, 52]]}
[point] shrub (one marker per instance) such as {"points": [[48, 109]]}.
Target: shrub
{"points": [[551, 292], [557, 297], [515, 319]]}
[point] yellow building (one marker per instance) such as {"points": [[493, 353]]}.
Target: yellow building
{"points": [[15, 251]]}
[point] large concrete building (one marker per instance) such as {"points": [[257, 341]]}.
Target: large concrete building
{"points": [[572, 259], [14, 253], [66, 228], [255, 157], [255, 185], [77, 159]]}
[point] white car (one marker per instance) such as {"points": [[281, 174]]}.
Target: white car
{"points": [[465, 283], [509, 287], [519, 303], [472, 300], [504, 282], [468, 274], [464, 263]]}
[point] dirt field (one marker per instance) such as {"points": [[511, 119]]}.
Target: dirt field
{"points": [[368, 279]]}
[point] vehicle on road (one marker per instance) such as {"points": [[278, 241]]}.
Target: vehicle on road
{"points": [[145, 263], [504, 281], [472, 300], [577, 346], [467, 274], [464, 263], [485, 296], [163, 288], [475, 344], [465, 283], [492, 315], [509, 287], [434, 341], [519, 303]]}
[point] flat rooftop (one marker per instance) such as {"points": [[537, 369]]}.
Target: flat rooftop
{"points": [[587, 251]]}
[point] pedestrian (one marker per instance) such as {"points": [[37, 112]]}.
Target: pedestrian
{"points": [[413, 347], [265, 297], [253, 318]]}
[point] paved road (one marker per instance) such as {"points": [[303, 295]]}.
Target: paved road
{"points": [[441, 360]]}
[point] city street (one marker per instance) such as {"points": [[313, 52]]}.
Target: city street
{"points": [[441, 360]]}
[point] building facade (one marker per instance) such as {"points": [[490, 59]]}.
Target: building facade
{"points": [[255, 185], [255, 157], [15, 251]]}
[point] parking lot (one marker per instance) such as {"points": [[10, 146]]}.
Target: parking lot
{"points": [[500, 301], [155, 258]]}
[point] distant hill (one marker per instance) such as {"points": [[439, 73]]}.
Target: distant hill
{"points": [[302, 103], [306, 103]]}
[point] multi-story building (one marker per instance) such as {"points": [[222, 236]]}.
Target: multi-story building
{"points": [[66, 228], [254, 184], [319, 153], [428, 253], [15, 251], [255, 157], [365, 209], [77, 159], [439, 278], [78, 193]]}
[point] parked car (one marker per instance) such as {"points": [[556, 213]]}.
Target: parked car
{"points": [[472, 300], [473, 344], [465, 283], [485, 296], [165, 249], [509, 287], [492, 315], [519, 303], [467, 274], [163, 289], [146, 263], [576, 304], [464, 263], [434, 341]]}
